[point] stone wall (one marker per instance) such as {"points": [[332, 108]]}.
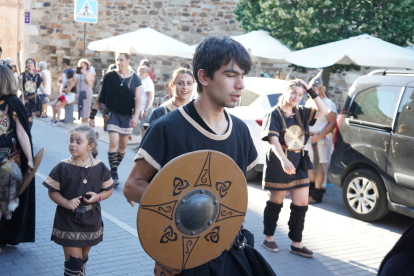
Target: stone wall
{"points": [[11, 28], [53, 35]]}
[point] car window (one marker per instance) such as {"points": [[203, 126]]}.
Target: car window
{"points": [[376, 105], [405, 121]]}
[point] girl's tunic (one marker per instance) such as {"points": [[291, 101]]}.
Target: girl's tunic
{"points": [[274, 177], [71, 228]]}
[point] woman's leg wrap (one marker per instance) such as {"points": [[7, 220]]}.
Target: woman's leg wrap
{"points": [[73, 267], [113, 161], [84, 266], [297, 222], [270, 217], [120, 157]]}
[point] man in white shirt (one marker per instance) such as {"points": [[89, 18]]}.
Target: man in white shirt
{"points": [[147, 96], [46, 85]]}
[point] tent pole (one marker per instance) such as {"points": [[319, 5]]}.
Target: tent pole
{"points": [[84, 38], [257, 69]]}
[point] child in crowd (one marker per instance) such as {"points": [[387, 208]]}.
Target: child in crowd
{"points": [[67, 97], [78, 185]]}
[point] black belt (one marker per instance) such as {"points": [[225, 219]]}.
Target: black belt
{"points": [[84, 209]]}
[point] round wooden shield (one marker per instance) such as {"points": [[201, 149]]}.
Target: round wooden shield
{"points": [[192, 209], [30, 86], [294, 138], [27, 177]]}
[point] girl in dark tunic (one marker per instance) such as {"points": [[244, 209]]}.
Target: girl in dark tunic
{"points": [[78, 185], [286, 128], [14, 124], [181, 85], [31, 81]]}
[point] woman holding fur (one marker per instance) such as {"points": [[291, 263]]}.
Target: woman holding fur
{"points": [[286, 128], [78, 185], [15, 146]]}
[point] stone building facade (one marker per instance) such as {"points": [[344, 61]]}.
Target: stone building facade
{"points": [[53, 35], [11, 28]]}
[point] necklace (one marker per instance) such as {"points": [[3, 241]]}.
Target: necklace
{"points": [[84, 178]]}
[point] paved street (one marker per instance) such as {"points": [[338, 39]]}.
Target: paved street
{"points": [[342, 245]]}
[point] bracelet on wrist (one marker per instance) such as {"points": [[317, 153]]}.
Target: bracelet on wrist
{"points": [[312, 93], [100, 198], [93, 114]]}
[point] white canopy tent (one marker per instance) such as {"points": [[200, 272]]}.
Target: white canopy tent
{"points": [[261, 46], [145, 41], [363, 50]]}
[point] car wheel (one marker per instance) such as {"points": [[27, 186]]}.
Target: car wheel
{"points": [[251, 175], [364, 195]]}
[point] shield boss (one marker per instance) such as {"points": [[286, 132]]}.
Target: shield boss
{"points": [[192, 209]]}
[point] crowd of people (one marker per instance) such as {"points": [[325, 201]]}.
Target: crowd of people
{"points": [[293, 132]]}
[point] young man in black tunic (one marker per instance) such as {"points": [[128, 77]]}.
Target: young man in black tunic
{"points": [[121, 94], [220, 65]]}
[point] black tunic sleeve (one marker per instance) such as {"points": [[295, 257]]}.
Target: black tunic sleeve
{"points": [[154, 145], [39, 80], [271, 125], [252, 156], [108, 182], [52, 182], [158, 112]]}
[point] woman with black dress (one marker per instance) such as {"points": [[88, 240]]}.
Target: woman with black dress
{"points": [[286, 128], [15, 131], [31, 81]]}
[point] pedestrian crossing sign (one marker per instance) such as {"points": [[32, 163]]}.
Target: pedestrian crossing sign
{"points": [[86, 11]]}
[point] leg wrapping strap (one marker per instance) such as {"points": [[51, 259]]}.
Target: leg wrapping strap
{"points": [[270, 217], [113, 161], [120, 157], [297, 222]]}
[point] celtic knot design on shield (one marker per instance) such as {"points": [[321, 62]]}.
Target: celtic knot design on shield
{"points": [[169, 235], [179, 185], [213, 236], [222, 188]]}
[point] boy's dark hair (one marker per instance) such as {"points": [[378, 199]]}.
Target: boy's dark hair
{"points": [[216, 51], [69, 74], [66, 61]]}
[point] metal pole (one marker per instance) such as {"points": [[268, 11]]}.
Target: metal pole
{"points": [[84, 38]]}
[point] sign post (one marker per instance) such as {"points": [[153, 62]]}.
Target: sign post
{"points": [[86, 11]]}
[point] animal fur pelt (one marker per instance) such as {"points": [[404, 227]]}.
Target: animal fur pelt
{"points": [[118, 99], [11, 181]]}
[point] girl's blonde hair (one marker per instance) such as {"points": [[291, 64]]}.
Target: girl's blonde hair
{"points": [[8, 84], [289, 86], [322, 90], [180, 71], [91, 135]]}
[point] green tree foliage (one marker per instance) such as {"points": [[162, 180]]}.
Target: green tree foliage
{"points": [[306, 23]]}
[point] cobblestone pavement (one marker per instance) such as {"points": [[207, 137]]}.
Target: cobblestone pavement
{"points": [[342, 245]]}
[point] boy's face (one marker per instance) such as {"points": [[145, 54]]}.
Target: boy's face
{"points": [[227, 86]]}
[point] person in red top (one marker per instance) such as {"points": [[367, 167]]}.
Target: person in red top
{"points": [[145, 62]]}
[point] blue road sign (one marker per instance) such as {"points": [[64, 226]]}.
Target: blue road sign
{"points": [[86, 11], [27, 14], [27, 20]]}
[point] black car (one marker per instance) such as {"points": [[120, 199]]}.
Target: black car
{"points": [[373, 157]]}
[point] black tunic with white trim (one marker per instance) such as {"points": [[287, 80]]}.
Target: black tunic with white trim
{"points": [[183, 131], [274, 177], [70, 228]]}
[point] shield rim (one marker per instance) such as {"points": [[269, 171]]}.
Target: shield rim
{"points": [[27, 178], [158, 175]]}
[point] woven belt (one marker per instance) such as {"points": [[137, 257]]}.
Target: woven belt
{"points": [[287, 149], [84, 209], [31, 96]]}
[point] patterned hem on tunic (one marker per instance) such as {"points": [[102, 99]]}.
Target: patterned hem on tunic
{"points": [[122, 131], [286, 186], [77, 239]]}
